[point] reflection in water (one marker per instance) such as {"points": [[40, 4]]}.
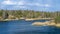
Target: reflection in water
{"points": [[25, 27]]}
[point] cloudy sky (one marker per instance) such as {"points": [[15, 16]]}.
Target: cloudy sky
{"points": [[46, 5]]}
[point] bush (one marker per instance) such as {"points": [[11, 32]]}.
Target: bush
{"points": [[57, 19]]}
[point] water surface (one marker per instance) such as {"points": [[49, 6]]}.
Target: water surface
{"points": [[25, 27]]}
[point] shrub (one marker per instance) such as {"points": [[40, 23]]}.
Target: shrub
{"points": [[57, 19]]}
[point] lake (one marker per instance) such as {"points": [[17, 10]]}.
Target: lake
{"points": [[26, 27]]}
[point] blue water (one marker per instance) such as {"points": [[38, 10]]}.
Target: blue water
{"points": [[25, 27]]}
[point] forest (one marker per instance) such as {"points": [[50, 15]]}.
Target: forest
{"points": [[31, 14]]}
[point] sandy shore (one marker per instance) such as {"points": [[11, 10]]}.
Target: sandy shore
{"points": [[46, 24], [8, 19], [43, 23], [27, 19], [57, 25]]}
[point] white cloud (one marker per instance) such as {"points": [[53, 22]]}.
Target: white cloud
{"points": [[8, 2], [47, 5], [33, 4], [38, 4], [20, 6], [22, 2]]}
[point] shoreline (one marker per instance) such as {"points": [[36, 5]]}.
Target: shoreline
{"points": [[45, 24], [58, 25], [8, 19], [26, 19]]}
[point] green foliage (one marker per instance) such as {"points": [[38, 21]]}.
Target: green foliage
{"points": [[57, 19], [1, 13], [31, 14]]}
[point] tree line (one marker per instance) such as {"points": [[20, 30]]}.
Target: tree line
{"points": [[32, 14]]}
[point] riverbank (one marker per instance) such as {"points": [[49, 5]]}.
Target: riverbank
{"points": [[27, 19], [8, 19], [48, 23], [58, 25], [44, 23]]}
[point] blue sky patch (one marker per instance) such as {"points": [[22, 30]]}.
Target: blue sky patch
{"points": [[45, 5]]}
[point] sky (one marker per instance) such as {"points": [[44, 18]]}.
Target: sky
{"points": [[39, 5]]}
